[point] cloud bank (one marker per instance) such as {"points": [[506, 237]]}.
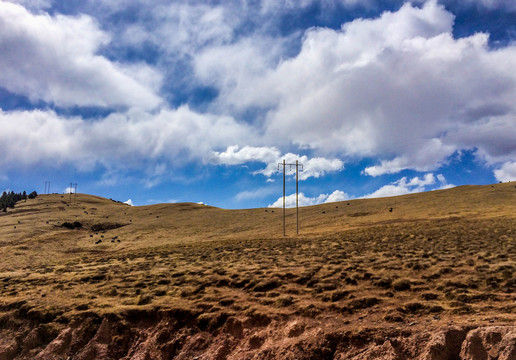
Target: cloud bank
{"points": [[398, 89], [290, 200], [272, 157], [56, 59]]}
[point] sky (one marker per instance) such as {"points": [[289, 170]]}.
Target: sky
{"points": [[199, 101]]}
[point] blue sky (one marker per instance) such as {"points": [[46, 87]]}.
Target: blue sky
{"points": [[159, 101]]}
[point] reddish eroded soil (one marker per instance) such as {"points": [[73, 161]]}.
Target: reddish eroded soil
{"points": [[178, 334]]}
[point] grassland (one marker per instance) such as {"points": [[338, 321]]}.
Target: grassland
{"points": [[381, 267]]}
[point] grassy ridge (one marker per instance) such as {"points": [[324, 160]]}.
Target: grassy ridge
{"points": [[433, 257]]}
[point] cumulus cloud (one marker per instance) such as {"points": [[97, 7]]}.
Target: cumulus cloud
{"points": [[55, 59], [311, 167], [399, 88], [427, 156], [507, 172], [236, 156], [405, 186], [290, 200], [336, 196], [492, 138], [121, 140], [69, 190], [129, 202]]}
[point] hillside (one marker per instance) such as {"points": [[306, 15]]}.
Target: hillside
{"points": [[427, 276]]}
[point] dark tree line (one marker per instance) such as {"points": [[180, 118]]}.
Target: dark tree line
{"points": [[8, 200]]}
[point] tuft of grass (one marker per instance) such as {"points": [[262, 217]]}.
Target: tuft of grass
{"points": [[401, 285]]}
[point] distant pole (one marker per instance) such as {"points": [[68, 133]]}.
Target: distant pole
{"points": [[284, 233], [71, 193], [297, 199], [48, 191], [76, 193], [297, 165], [45, 187]]}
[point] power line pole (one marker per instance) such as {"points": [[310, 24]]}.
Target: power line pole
{"points": [[284, 233], [297, 164], [46, 187], [75, 193], [71, 193], [297, 195]]}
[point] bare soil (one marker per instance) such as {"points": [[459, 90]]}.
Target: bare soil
{"points": [[423, 276]]}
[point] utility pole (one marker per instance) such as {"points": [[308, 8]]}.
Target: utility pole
{"points": [[71, 193], [297, 197], [297, 164], [45, 187], [75, 193], [284, 233]]}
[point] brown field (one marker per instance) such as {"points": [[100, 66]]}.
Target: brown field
{"points": [[423, 276]]}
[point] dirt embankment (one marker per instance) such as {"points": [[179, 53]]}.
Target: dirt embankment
{"points": [[182, 334]]}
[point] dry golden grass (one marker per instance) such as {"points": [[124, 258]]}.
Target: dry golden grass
{"points": [[420, 260]]}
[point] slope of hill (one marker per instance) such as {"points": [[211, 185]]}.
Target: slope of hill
{"points": [[428, 276]]}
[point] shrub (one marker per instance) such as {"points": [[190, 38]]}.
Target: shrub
{"points": [[74, 225], [384, 283], [364, 303], [68, 225], [429, 296], [401, 285], [266, 285], [284, 301]]}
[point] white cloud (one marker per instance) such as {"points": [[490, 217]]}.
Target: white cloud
{"points": [[443, 182], [119, 141], [271, 156], [493, 137], [337, 195], [427, 156], [54, 59], [69, 190], [507, 172], [313, 167], [399, 88], [236, 156], [290, 200], [404, 186], [129, 202]]}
